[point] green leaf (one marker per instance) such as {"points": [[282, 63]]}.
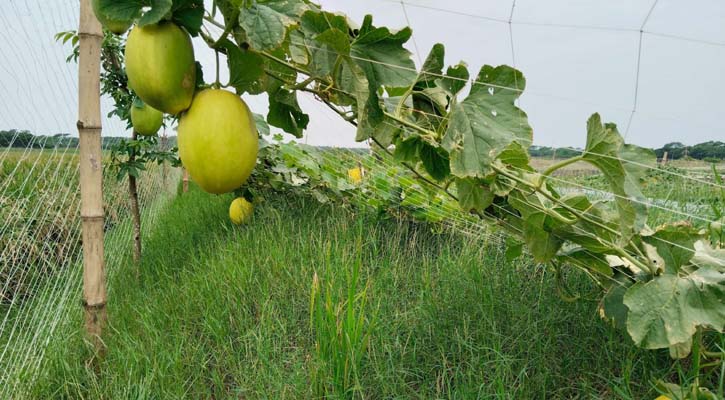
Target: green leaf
{"points": [[584, 258], [606, 150], [285, 112], [455, 80], [159, 9], [370, 116], [675, 244], [705, 255], [262, 126], [435, 161], [432, 67], [336, 39], [592, 236], [324, 48], [265, 28], [667, 310], [486, 122], [246, 69], [380, 53], [121, 10], [189, 14], [536, 224], [199, 75], [676, 392], [473, 195], [515, 155], [612, 306], [407, 149], [514, 249]]}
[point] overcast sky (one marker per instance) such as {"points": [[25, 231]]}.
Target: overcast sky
{"points": [[578, 56]]}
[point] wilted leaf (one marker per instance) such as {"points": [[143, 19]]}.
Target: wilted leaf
{"points": [[668, 309], [620, 165]]}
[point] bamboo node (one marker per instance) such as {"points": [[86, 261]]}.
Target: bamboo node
{"points": [[82, 126], [98, 306], [90, 34], [95, 217]]}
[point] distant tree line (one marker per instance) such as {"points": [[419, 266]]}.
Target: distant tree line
{"points": [[553, 152], [708, 151], [23, 139], [711, 150]]}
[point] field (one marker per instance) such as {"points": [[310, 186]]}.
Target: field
{"points": [[224, 312], [308, 300], [289, 200]]}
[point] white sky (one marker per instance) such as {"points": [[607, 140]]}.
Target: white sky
{"points": [[572, 70]]}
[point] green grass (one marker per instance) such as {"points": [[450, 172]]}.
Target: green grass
{"points": [[399, 312]]}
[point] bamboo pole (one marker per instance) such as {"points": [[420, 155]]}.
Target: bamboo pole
{"points": [[91, 173], [186, 180], [164, 167], [135, 214]]}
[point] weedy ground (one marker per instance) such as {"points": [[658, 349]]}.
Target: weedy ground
{"points": [[309, 301]]}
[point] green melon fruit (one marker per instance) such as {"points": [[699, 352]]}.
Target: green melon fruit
{"points": [[118, 27], [218, 141], [145, 119], [160, 66], [240, 211]]}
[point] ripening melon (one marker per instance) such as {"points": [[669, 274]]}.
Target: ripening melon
{"points": [[145, 119], [240, 211], [218, 141], [355, 175], [160, 66], [119, 27]]}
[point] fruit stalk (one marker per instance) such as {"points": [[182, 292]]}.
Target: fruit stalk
{"points": [[91, 174]]}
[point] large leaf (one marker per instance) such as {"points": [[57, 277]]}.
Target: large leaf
{"points": [[432, 67], [246, 68], [487, 122], [285, 112], [667, 310], [705, 255], [121, 10], [189, 14], [473, 195], [435, 161], [612, 306], [159, 9], [455, 79], [325, 37], [382, 56], [371, 122], [543, 243], [675, 244], [623, 166], [266, 24]]}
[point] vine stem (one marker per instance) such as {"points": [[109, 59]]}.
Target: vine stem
{"points": [[547, 172], [216, 83], [579, 215], [696, 349], [409, 124], [302, 86]]}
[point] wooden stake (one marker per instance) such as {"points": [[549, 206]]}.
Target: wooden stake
{"points": [[186, 180], [91, 174], [164, 167], [135, 214]]}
